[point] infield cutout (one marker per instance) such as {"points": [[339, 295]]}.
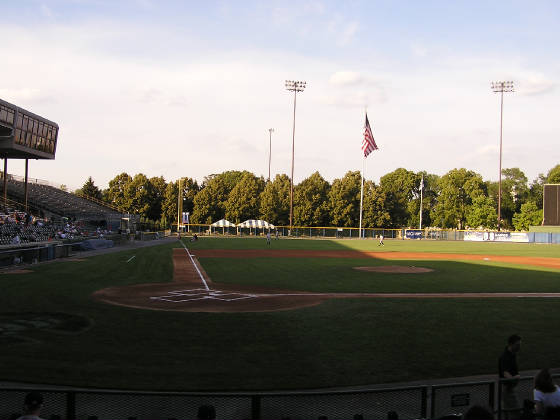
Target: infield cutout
{"points": [[400, 269], [190, 295]]}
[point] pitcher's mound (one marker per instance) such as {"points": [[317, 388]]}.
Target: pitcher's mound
{"points": [[395, 269]]}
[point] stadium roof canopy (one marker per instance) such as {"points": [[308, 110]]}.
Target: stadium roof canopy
{"points": [[25, 135]]}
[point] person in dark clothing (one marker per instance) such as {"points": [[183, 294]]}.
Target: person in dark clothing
{"points": [[508, 369]]}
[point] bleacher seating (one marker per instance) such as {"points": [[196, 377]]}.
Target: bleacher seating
{"points": [[56, 201]]}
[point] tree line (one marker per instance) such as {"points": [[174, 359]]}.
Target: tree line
{"points": [[459, 199]]}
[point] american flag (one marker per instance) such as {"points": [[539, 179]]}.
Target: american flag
{"points": [[368, 144]]}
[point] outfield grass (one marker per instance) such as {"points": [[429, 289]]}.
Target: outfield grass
{"points": [[338, 343]]}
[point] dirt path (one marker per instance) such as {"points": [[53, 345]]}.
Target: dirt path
{"points": [[193, 291]]}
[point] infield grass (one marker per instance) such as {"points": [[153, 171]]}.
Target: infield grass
{"points": [[342, 342]]}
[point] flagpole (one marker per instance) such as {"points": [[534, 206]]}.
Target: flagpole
{"points": [[362, 196], [362, 185]]}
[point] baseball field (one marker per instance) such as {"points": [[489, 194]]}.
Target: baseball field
{"points": [[239, 314]]}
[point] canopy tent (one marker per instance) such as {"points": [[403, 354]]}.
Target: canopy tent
{"points": [[223, 223], [261, 224]]}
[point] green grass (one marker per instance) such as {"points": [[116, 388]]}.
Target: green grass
{"points": [[459, 247], [340, 342]]}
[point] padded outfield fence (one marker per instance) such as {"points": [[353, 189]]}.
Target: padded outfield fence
{"points": [[416, 402], [374, 233]]}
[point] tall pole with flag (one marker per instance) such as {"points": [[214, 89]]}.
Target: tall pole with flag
{"points": [[368, 146]]}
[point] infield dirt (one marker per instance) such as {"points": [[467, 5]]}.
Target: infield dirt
{"points": [[193, 291]]}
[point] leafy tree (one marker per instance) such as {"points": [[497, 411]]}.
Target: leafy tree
{"points": [[138, 195], [243, 200], [458, 188], [116, 193], [482, 213], [170, 199], [310, 201], [90, 189], [374, 212], [553, 176], [156, 190], [210, 201], [530, 215], [344, 200], [536, 191], [400, 187], [515, 192], [275, 201], [429, 199]]}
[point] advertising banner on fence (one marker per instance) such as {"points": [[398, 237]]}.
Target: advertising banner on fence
{"points": [[413, 234], [496, 236], [519, 237], [475, 236]]}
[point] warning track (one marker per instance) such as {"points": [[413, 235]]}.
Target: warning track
{"points": [[193, 291]]}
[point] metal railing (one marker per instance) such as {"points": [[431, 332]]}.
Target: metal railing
{"points": [[413, 402]]}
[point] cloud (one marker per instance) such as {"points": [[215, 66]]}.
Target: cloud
{"points": [[353, 89], [535, 84], [488, 150], [346, 78], [419, 50], [346, 35], [46, 11], [21, 95]]}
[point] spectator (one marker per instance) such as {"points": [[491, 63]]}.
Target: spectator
{"points": [[546, 394], [478, 412], [206, 412], [32, 406], [508, 369]]}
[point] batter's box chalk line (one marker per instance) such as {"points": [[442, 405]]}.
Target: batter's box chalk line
{"points": [[202, 294]]}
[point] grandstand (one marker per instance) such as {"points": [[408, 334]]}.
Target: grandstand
{"points": [[57, 203]]}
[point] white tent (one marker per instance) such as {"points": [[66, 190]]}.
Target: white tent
{"points": [[223, 223], [261, 224]]}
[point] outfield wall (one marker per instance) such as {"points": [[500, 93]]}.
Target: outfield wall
{"points": [[374, 233]]}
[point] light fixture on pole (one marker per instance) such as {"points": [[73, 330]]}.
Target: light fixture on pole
{"points": [[270, 131], [293, 86], [501, 87]]}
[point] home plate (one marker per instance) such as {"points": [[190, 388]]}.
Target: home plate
{"points": [[202, 294], [486, 259]]}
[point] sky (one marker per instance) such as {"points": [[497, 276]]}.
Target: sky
{"points": [[191, 88]]}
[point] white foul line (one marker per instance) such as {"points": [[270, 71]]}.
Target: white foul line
{"points": [[195, 266], [130, 259]]}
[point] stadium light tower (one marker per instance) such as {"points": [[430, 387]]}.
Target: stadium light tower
{"points": [[270, 131], [293, 86], [501, 87]]}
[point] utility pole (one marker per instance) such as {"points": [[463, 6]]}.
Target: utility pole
{"points": [[293, 86], [270, 131], [501, 87], [421, 188]]}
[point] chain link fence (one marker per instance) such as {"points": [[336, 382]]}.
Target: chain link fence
{"points": [[417, 402]]}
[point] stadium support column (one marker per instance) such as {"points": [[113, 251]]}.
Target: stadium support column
{"points": [[25, 187], [5, 185]]}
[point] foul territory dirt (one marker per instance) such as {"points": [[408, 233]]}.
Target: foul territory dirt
{"points": [[193, 291]]}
